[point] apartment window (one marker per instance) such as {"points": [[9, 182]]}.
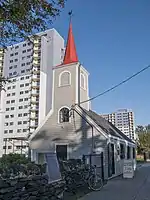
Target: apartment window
{"points": [[16, 47], [21, 92], [24, 45], [22, 78], [19, 130], [27, 70], [7, 102], [12, 101], [122, 151], [11, 54], [10, 74], [20, 100], [27, 84], [26, 106], [11, 61], [16, 53], [24, 130], [8, 88], [128, 152], [20, 107], [14, 80], [7, 109], [25, 122], [11, 116], [6, 124], [10, 131], [23, 57], [22, 71], [13, 86], [14, 73], [6, 131], [13, 94], [27, 77], [27, 91], [134, 152], [16, 60], [20, 122], [4, 147], [12, 108], [22, 85], [28, 56], [23, 64], [20, 115], [28, 63], [23, 51], [28, 50], [25, 114], [8, 95], [6, 116], [9, 147], [11, 123], [26, 99], [10, 67]]}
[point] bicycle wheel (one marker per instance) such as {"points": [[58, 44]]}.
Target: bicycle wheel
{"points": [[95, 182]]}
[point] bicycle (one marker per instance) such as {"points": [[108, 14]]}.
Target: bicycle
{"points": [[95, 181]]}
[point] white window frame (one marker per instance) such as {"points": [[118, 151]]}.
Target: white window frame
{"points": [[59, 115], [84, 81], [60, 85]]}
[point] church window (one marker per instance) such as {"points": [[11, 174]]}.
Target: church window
{"points": [[65, 78], [82, 81], [64, 115]]}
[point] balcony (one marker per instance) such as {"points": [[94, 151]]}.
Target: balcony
{"points": [[34, 92], [34, 100], [34, 116], [35, 85], [36, 77], [34, 108]]}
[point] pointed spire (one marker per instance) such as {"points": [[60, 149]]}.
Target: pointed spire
{"points": [[70, 53]]}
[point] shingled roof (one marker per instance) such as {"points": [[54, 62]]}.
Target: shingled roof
{"points": [[105, 125]]}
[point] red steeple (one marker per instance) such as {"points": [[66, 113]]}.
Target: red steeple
{"points": [[70, 53]]}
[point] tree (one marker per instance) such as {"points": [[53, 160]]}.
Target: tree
{"points": [[21, 18], [144, 142]]}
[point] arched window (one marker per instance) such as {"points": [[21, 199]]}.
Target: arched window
{"points": [[64, 115], [65, 78], [82, 81]]}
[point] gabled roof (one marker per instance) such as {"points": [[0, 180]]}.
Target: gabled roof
{"points": [[106, 126]]}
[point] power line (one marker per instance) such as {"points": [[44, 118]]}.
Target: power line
{"points": [[119, 84]]}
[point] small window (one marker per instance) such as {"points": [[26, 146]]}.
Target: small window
{"points": [[27, 84], [4, 147], [134, 153], [25, 114], [26, 91], [10, 131], [64, 115], [20, 115], [18, 130], [26, 106], [16, 47], [25, 122], [16, 60], [65, 79], [29, 50], [13, 94], [24, 130], [16, 53], [12, 101], [21, 92], [25, 99], [20, 122], [23, 51], [11, 61], [9, 88], [122, 151], [6, 131], [20, 107], [9, 147], [82, 81], [6, 124], [128, 152], [23, 57], [27, 77], [22, 71], [22, 85], [7, 109], [10, 67], [22, 78], [15, 66], [8, 95], [20, 100], [7, 102], [11, 123], [24, 45], [12, 108], [28, 63], [13, 86], [11, 116]]}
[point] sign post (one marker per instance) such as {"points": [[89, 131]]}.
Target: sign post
{"points": [[128, 169]]}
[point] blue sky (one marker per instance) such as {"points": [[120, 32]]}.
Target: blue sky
{"points": [[113, 42]]}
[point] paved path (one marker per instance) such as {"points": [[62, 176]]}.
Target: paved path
{"points": [[137, 188]]}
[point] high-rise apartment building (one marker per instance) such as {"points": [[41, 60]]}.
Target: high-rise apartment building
{"points": [[28, 97], [124, 120]]}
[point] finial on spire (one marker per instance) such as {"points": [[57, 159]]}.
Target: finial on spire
{"points": [[70, 13]]}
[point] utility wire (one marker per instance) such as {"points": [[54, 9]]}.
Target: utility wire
{"points": [[115, 86]]}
